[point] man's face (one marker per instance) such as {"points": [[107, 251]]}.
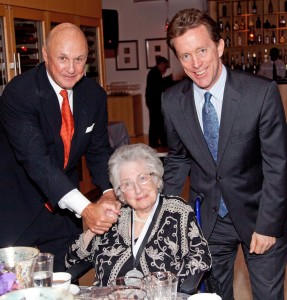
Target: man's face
{"points": [[65, 59], [199, 56]]}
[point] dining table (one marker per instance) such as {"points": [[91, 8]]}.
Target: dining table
{"points": [[101, 293]]}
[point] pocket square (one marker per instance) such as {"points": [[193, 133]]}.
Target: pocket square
{"points": [[90, 128]]}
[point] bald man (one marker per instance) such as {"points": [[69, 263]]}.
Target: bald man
{"points": [[40, 203]]}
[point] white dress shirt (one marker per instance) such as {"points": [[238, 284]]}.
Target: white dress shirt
{"points": [[74, 200], [217, 96]]}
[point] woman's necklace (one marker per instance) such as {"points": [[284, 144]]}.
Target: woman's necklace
{"points": [[139, 220]]}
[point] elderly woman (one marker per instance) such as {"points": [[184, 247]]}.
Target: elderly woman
{"points": [[154, 232]]}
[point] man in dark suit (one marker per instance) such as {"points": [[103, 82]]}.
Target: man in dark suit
{"points": [[226, 130], [156, 83], [40, 203]]}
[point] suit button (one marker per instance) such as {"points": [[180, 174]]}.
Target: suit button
{"points": [[218, 178], [214, 209]]}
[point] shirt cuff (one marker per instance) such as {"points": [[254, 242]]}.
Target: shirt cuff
{"points": [[75, 201]]}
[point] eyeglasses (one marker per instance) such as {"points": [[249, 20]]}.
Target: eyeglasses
{"points": [[142, 179]]}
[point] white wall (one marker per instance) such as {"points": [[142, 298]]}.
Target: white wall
{"points": [[140, 21]]}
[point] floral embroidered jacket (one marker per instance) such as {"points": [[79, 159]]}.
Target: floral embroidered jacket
{"points": [[175, 244]]}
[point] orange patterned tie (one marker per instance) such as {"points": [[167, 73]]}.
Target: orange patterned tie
{"points": [[67, 129]]}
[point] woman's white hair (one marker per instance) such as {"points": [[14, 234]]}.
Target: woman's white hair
{"points": [[134, 153]]}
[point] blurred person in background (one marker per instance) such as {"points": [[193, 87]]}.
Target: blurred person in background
{"points": [[156, 83]]}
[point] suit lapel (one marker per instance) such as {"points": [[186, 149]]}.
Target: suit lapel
{"points": [[231, 101], [51, 109], [80, 114], [186, 102]]}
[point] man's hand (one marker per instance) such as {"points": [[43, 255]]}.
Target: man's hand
{"points": [[261, 243], [101, 215]]}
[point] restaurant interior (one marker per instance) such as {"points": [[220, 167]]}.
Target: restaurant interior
{"points": [[123, 37]]}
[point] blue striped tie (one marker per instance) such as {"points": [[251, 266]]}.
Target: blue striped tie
{"points": [[211, 133]]}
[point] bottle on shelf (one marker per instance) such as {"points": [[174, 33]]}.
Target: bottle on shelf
{"points": [[282, 22], [251, 38], [258, 23], [239, 8], [254, 8], [270, 7], [259, 39], [227, 26], [282, 38], [267, 24], [267, 39], [273, 38], [235, 25], [251, 25], [285, 6], [227, 42], [220, 25], [239, 40], [254, 62], [248, 62], [224, 10], [242, 24]]}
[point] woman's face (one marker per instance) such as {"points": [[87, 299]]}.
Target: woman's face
{"points": [[141, 197]]}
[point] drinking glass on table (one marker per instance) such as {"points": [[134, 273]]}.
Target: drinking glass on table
{"points": [[43, 271], [127, 293], [161, 285], [127, 281]]}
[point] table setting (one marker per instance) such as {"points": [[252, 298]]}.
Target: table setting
{"points": [[27, 274]]}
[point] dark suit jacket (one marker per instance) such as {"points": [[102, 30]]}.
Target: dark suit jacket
{"points": [[31, 160], [251, 169]]}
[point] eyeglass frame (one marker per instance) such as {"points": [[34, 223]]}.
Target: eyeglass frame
{"points": [[133, 182]]}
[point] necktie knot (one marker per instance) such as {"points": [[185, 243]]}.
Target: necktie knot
{"points": [[67, 129], [207, 103], [207, 97]]}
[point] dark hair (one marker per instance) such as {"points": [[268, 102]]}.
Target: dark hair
{"points": [[187, 19], [160, 59], [274, 54]]}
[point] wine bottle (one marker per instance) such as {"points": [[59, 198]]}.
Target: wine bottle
{"points": [[258, 23], [239, 40], [282, 22], [254, 8], [242, 24], [220, 25], [224, 10], [239, 8], [227, 42], [282, 38], [273, 38], [227, 26], [235, 25], [270, 7]]}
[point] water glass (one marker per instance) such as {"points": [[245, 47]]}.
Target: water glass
{"points": [[127, 293], [43, 271], [161, 285]]}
